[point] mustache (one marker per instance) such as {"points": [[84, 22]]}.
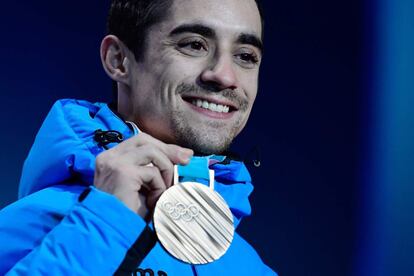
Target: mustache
{"points": [[228, 94]]}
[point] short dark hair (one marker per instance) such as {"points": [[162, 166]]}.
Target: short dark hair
{"points": [[129, 20]]}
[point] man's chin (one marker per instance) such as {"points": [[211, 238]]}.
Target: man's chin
{"points": [[207, 147], [203, 138]]}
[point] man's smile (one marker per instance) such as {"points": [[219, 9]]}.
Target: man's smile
{"points": [[213, 108]]}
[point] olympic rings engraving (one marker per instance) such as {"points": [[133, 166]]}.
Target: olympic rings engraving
{"points": [[181, 211]]}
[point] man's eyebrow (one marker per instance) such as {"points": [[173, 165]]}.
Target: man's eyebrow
{"points": [[208, 32], [194, 28], [251, 40]]}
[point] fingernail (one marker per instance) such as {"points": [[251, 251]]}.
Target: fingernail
{"points": [[185, 155]]}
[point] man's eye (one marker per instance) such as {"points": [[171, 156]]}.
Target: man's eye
{"points": [[247, 59], [250, 58], [196, 46], [193, 45]]}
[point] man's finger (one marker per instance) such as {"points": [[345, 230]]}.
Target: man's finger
{"points": [[152, 183], [177, 154], [149, 154]]}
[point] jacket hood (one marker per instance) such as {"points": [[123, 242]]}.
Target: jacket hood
{"points": [[64, 152]]}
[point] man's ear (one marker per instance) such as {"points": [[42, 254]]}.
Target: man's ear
{"points": [[115, 59]]}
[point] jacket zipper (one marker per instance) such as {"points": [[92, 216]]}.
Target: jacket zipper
{"points": [[194, 270]]}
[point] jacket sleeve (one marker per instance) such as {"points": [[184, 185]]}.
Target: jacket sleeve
{"points": [[98, 236]]}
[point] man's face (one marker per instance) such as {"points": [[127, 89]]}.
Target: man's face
{"points": [[198, 78]]}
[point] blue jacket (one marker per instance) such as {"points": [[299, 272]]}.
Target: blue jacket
{"points": [[56, 228]]}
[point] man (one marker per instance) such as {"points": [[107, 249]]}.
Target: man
{"points": [[186, 73]]}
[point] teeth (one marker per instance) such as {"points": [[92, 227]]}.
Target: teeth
{"points": [[199, 103], [205, 104], [211, 106]]}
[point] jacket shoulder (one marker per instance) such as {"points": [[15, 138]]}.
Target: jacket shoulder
{"points": [[24, 223]]}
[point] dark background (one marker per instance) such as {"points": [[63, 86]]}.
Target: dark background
{"points": [[309, 119]]}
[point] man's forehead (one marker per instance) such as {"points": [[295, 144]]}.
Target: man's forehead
{"points": [[223, 16]]}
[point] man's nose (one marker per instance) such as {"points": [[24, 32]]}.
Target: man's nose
{"points": [[221, 73]]}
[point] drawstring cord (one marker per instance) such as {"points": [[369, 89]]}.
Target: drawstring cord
{"points": [[103, 138]]}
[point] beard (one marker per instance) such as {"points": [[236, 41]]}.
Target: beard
{"points": [[206, 141], [211, 137]]}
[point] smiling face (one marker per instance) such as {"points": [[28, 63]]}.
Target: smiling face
{"points": [[198, 78]]}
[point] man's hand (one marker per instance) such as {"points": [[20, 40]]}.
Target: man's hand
{"points": [[139, 170]]}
